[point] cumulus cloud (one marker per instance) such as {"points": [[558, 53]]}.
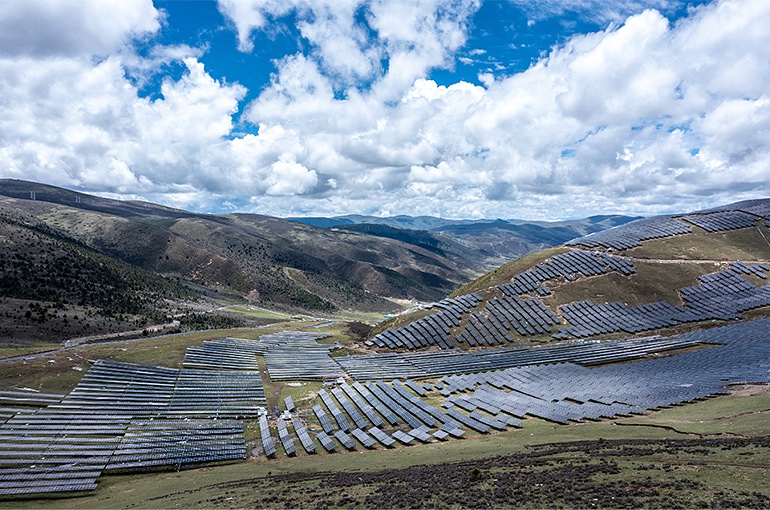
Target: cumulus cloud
{"points": [[43, 28], [622, 117], [645, 116]]}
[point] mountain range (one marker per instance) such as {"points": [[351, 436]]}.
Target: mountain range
{"points": [[121, 265], [498, 240]]}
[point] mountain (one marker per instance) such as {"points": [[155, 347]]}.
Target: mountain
{"points": [[494, 241], [65, 249], [659, 275]]}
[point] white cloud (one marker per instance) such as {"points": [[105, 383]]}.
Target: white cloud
{"points": [[249, 15], [600, 11], [643, 117], [665, 98], [288, 177], [68, 121], [44, 28]]}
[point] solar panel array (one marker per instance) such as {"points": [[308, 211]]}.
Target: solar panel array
{"points": [[52, 450], [45, 452], [372, 406], [501, 319], [722, 295], [588, 319], [156, 443], [126, 416], [33, 398], [567, 392], [502, 316], [630, 235], [721, 220], [566, 265], [757, 270], [758, 208], [224, 354], [430, 330], [146, 390], [217, 394], [417, 365], [545, 386], [296, 355]]}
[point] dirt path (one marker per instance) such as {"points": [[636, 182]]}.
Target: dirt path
{"points": [[73, 342]]}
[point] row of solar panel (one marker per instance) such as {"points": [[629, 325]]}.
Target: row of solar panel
{"points": [[417, 365], [431, 330], [722, 295], [566, 391], [721, 221], [632, 234]]}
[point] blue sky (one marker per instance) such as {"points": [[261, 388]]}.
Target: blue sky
{"points": [[457, 108]]}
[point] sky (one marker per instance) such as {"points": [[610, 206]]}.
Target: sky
{"points": [[530, 109]]}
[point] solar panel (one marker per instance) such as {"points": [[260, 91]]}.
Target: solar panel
{"points": [[304, 437], [326, 441], [345, 440], [632, 234], [381, 436], [363, 438]]}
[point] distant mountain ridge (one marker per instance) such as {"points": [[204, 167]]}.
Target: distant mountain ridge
{"points": [[498, 240]]}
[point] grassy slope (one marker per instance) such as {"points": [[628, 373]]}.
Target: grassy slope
{"points": [[741, 244], [506, 272]]}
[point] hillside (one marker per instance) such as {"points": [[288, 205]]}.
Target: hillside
{"points": [[178, 256], [493, 241], [657, 275]]}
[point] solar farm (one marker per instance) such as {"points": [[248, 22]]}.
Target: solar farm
{"points": [[463, 370], [515, 310], [125, 417]]}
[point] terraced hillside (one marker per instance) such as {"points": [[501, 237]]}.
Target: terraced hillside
{"points": [[655, 275]]}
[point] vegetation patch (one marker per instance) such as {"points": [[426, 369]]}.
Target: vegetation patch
{"points": [[741, 244], [651, 282]]}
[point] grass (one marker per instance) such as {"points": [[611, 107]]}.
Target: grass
{"points": [[741, 244], [504, 273], [12, 350], [651, 283], [257, 312], [594, 456], [744, 414]]}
